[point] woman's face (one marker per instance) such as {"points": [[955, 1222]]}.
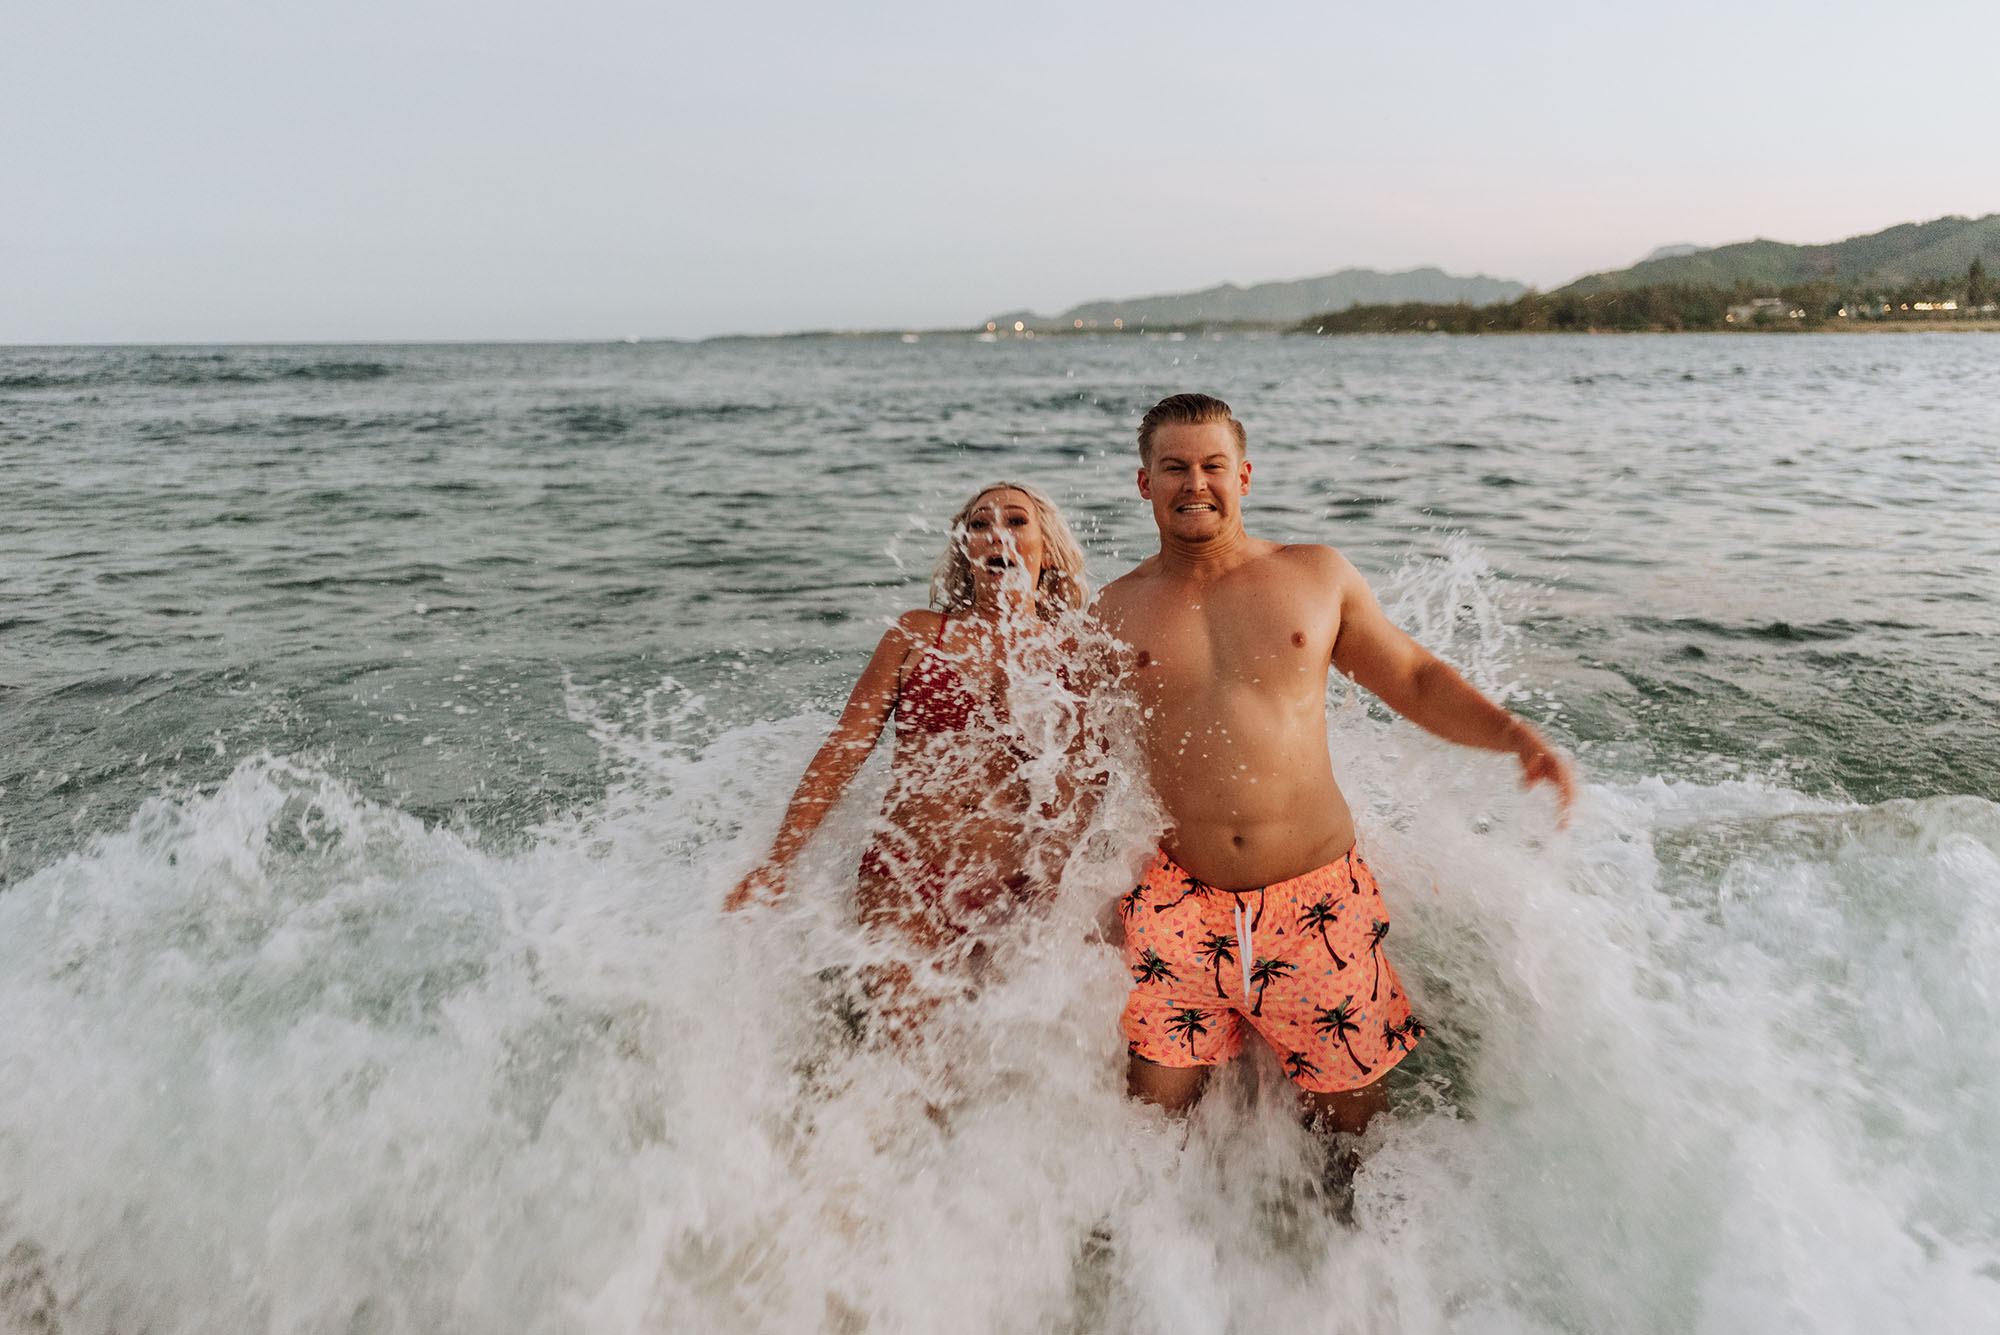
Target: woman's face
{"points": [[1003, 538]]}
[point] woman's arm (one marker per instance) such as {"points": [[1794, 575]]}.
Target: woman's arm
{"points": [[836, 763]]}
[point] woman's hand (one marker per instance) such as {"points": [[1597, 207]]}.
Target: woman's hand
{"points": [[836, 762]]}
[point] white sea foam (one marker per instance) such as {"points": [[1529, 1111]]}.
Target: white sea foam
{"points": [[1718, 1058]]}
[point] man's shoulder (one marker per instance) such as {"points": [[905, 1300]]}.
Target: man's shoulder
{"points": [[1307, 552], [1309, 560], [1302, 570], [1129, 583]]}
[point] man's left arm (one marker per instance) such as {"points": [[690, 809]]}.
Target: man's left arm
{"points": [[1428, 691]]}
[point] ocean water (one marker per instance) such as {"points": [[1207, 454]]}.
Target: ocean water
{"points": [[383, 725]]}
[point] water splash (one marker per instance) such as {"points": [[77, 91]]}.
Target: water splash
{"points": [[1719, 1058]]}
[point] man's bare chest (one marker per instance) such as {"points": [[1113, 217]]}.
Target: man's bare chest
{"points": [[1189, 645]]}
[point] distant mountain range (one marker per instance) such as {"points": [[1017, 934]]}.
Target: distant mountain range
{"points": [[1276, 302], [1941, 249], [1909, 253]]}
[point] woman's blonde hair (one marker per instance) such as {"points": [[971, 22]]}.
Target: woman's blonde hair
{"points": [[1060, 587]]}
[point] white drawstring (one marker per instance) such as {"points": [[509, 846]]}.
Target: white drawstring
{"points": [[1243, 944]]}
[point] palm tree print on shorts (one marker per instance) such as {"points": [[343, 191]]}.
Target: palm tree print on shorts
{"points": [[1206, 974], [1128, 904], [1298, 1066], [1319, 916], [1403, 1036], [1190, 885], [1376, 932], [1217, 949], [1186, 1025], [1336, 1021], [1265, 972], [1151, 969]]}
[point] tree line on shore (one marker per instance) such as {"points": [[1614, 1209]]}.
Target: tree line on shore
{"points": [[1671, 307]]}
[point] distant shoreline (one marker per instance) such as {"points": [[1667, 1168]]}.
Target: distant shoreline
{"points": [[1779, 331], [1292, 330]]}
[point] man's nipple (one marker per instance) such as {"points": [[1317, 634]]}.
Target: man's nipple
{"points": [[1145, 659], [1299, 639]]}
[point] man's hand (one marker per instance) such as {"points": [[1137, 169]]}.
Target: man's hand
{"points": [[1542, 763], [763, 885]]}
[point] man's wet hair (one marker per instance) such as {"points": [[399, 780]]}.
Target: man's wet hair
{"points": [[1186, 410]]}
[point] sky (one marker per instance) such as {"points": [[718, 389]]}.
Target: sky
{"points": [[226, 171]]}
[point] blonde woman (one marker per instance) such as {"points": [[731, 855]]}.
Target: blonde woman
{"points": [[980, 695]]}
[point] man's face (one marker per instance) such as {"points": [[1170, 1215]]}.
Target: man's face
{"points": [[1196, 482]]}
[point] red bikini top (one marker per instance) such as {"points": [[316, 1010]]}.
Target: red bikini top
{"points": [[934, 698]]}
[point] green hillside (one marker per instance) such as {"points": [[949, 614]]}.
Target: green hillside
{"points": [[1273, 303], [1897, 257]]}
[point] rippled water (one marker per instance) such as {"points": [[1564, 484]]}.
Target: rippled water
{"points": [[382, 725]]}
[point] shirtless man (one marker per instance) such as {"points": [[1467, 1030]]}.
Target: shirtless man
{"points": [[1257, 910]]}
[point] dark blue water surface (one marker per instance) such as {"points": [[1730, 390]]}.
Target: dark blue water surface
{"points": [[383, 725], [1731, 552]]}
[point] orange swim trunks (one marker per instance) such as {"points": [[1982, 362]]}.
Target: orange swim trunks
{"points": [[1301, 962]]}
